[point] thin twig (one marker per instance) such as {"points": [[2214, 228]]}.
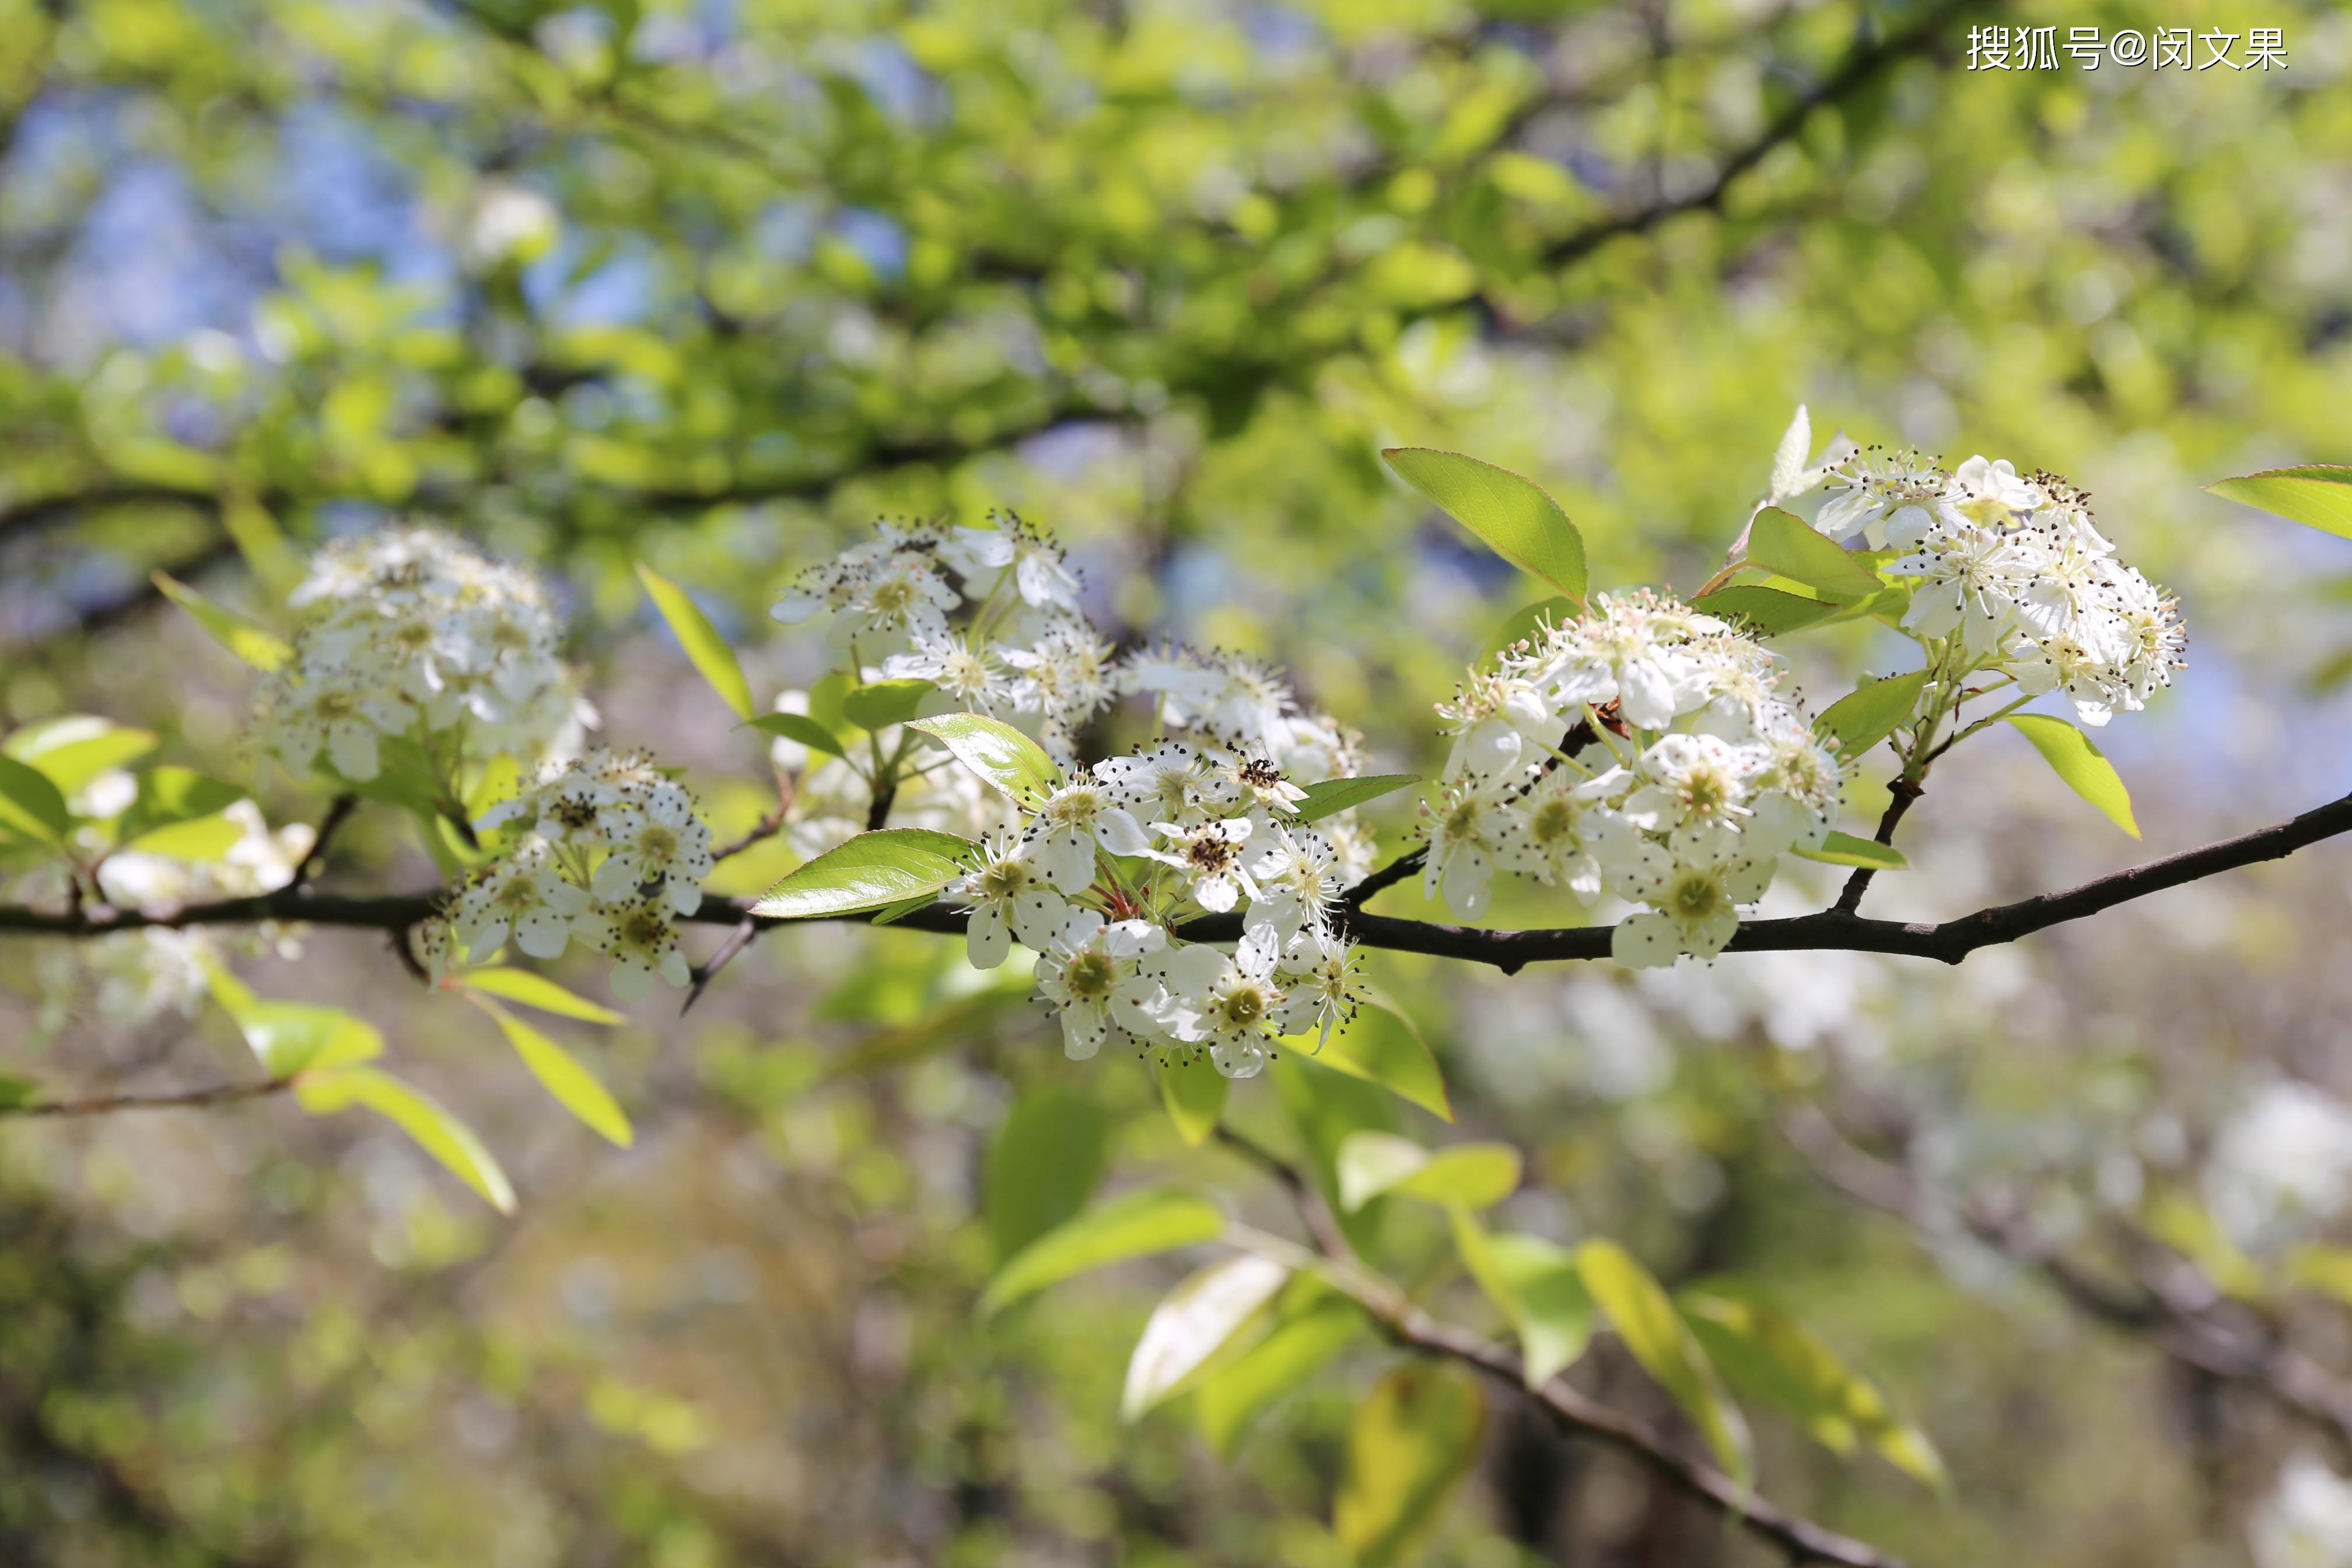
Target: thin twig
{"points": [[1904, 790], [185, 1100], [737, 941], [315, 862]]}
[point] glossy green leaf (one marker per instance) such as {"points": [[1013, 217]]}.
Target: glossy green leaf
{"points": [[870, 871], [559, 1073], [1232, 1395], [74, 749], [1474, 1175], [1845, 849], [802, 728], [1767, 611], [1871, 712], [1644, 1316], [1045, 1162], [1381, 1045], [2079, 764], [169, 796], [1787, 544], [881, 702], [1193, 1322], [1511, 514], [1537, 1285], [2318, 495], [1413, 1441], [197, 840], [424, 1118], [1133, 1225], [1333, 796], [243, 635], [701, 641], [30, 805], [1195, 1092], [997, 751], [291, 1038], [1769, 1356], [529, 989]]}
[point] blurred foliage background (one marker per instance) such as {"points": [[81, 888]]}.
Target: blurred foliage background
{"points": [[712, 285]]}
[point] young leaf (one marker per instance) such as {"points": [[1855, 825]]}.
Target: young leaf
{"points": [[1192, 1323], [1525, 622], [882, 702], [30, 805], [1767, 611], [1537, 1285], [1871, 712], [436, 1132], [997, 751], [1769, 1355], [1195, 1092], [870, 871], [1470, 1176], [1845, 849], [574, 1086], [72, 750], [1335, 795], [1226, 1401], [2318, 495], [1414, 1439], [1511, 514], [2086, 772], [196, 840], [1645, 1317], [1786, 545], [799, 727], [241, 635], [1043, 1166], [700, 639], [171, 795], [1133, 1225], [1381, 1045], [532, 990]]}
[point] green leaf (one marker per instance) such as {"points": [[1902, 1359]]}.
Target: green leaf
{"points": [[240, 634], [2318, 495], [802, 728], [1133, 1225], [1326, 1108], [17, 1091], [1537, 1285], [1767, 611], [1381, 1045], [574, 1086], [1511, 514], [1193, 1322], [1231, 1396], [1645, 1317], [169, 796], [1044, 1165], [30, 805], [1414, 1439], [436, 1132], [700, 639], [74, 749], [1333, 796], [1871, 712], [1195, 1092], [263, 544], [291, 1038], [1845, 849], [1788, 545], [1472, 1175], [997, 751], [532, 990], [2322, 1268], [2081, 764], [870, 871], [1769, 1356], [1525, 622], [881, 702], [196, 840]]}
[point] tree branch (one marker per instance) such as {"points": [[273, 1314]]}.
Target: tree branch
{"points": [[185, 1100], [1903, 792]]}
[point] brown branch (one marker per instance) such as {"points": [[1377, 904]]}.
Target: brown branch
{"points": [[185, 1100], [1405, 864], [315, 862], [1903, 791]]}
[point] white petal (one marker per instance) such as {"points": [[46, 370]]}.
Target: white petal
{"points": [[542, 933], [352, 745], [1082, 1032], [1118, 832], [985, 940], [1036, 915], [1647, 941]]}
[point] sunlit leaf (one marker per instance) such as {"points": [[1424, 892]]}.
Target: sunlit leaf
{"points": [[1510, 514], [1231, 1396], [1767, 611], [881, 702], [1194, 1322], [802, 728], [1474, 1175], [1845, 849], [574, 1086], [701, 641], [997, 751], [1381, 1045], [424, 1118], [870, 871], [1871, 712], [1414, 1439], [1639, 1309], [1333, 796], [2082, 767], [30, 805], [534, 990], [1047, 1157], [2318, 495], [243, 635], [71, 751], [1133, 1225], [1539, 1289], [169, 796], [1787, 544]]}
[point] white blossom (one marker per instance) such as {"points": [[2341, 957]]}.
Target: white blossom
{"points": [[1089, 974], [1010, 897]]}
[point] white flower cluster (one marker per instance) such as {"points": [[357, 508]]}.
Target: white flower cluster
{"points": [[610, 854], [2013, 567], [1642, 748], [2306, 1522], [1203, 820], [2281, 1167], [413, 633]]}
